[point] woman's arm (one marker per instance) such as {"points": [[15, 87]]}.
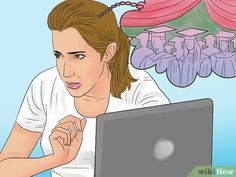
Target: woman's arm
{"points": [[65, 145], [20, 143], [26, 167], [14, 156]]}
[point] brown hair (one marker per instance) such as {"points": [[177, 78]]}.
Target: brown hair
{"points": [[98, 33]]}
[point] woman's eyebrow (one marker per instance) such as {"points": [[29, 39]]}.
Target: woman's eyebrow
{"points": [[57, 52], [76, 52]]}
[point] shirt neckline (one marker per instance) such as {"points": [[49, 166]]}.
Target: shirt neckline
{"points": [[110, 107]]}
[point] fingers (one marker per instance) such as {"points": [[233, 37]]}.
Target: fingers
{"points": [[79, 135], [61, 133], [76, 120], [71, 127], [80, 124], [67, 119], [83, 123]]}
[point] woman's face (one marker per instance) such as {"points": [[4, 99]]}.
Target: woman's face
{"points": [[158, 42], [189, 43], [224, 44], [78, 64]]}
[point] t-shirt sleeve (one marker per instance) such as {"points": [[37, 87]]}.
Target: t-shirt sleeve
{"points": [[32, 114], [145, 92]]}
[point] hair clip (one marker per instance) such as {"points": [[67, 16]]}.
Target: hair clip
{"points": [[128, 3]]}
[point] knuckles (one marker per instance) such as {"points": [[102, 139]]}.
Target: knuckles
{"points": [[68, 118]]}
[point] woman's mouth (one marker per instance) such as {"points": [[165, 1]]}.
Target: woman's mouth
{"points": [[73, 85]]}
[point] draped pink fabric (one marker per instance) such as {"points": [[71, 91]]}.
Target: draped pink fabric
{"points": [[223, 12], [155, 12]]}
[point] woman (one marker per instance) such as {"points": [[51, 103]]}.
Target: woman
{"points": [[91, 77], [140, 55], [190, 62]]}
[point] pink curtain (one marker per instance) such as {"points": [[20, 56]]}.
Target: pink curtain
{"points": [[223, 12], [155, 12]]}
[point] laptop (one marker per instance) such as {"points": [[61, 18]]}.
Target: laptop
{"points": [[159, 141]]}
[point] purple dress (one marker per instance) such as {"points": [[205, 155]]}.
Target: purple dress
{"points": [[205, 66], [162, 61], [140, 58], [173, 72], [189, 69], [224, 64]]}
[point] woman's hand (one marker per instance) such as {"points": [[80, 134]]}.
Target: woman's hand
{"points": [[66, 139]]}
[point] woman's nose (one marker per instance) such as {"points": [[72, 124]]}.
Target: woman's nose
{"points": [[155, 44], [67, 70]]}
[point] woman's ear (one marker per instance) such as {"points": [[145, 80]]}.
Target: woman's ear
{"points": [[110, 52]]}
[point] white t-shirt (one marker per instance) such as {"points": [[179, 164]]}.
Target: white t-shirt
{"points": [[47, 101]]}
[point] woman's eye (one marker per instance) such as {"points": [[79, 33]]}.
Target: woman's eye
{"points": [[79, 56], [57, 55]]}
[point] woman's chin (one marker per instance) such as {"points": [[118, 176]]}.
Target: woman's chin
{"points": [[75, 92]]}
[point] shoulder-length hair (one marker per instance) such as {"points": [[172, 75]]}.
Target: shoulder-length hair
{"points": [[98, 33]]}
